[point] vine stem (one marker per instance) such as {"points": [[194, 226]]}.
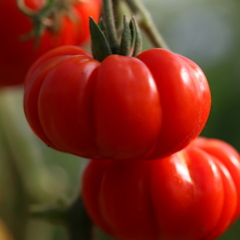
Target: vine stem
{"points": [[146, 23], [79, 223], [72, 215]]}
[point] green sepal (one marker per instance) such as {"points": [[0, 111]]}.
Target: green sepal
{"points": [[100, 46], [102, 26], [132, 29], [126, 41], [138, 38]]}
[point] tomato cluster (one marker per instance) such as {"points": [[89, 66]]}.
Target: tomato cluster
{"points": [[193, 194], [17, 55], [121, 108], [139, 118]]}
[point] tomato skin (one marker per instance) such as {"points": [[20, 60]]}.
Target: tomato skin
{"points": [[123, 112], [16, 55], [191, 195], [35, 78], [185, 98], [115, 109]]}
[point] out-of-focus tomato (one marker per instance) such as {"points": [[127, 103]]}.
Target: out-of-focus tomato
{"points": [[192, 195], [16, 56], [122, 108]]}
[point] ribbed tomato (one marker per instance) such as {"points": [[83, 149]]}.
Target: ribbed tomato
{"points": [[122, 108], [192, 195]]}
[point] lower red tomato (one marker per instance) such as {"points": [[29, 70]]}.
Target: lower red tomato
{"points": [[191, 195]]}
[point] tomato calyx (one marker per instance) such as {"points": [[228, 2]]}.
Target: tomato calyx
{"points": [[104, 35], [100, 46], [48, 17]]}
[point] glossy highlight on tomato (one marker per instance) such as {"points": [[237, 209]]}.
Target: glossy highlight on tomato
{"points": [[192, 195], [122, 108], [17, 55]]}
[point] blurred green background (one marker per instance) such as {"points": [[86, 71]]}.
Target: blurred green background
{"points": [[207, 32]]}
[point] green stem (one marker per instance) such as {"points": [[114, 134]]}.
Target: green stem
{"points": [[79, 224], [45, 18], [146, 23], [43, 11], [109, 22], [52, 213], [117, 19], [73, 216]]}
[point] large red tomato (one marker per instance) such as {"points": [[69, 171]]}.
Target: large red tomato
{"points": [[192, 195], [16, 56], [123, 108]]}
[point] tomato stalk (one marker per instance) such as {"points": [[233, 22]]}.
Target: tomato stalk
{"points": [[48, 17], [146, 23], [109, 22], [39, 18]]}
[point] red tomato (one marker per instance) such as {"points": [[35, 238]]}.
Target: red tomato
{"points": [[123, 108], [16, 56], [192, 195]]}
